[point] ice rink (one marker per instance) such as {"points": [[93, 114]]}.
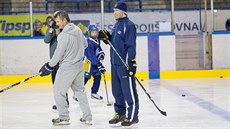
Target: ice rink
{"points": [[206, 105]]}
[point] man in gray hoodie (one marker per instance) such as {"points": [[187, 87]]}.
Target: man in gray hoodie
{"points": [[51, 38], [69, 54]]}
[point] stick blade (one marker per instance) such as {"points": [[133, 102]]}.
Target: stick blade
{"points": [[164, 113], [109, 104]]}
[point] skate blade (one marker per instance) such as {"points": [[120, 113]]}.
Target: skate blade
{"points": [[115, 125], [61, 124], [96, 99], [87, 123], [133, 126]]}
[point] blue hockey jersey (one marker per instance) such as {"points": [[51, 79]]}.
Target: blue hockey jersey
{"points": [[92, 53]]}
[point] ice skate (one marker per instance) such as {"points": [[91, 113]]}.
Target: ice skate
{"points": [[86, 121], [117, 119], [129, 124], [96, 96], [59, 121]]}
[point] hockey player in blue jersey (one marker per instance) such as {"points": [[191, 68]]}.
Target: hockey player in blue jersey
{"points": [[123, 39], [92, 62]]}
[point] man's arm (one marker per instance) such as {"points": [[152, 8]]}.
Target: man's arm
{"points": [[50, 33], [59, 52], [130, 41]]}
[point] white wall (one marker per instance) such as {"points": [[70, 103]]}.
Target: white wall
{"points": [[142, 53], [167, 48], [22, 56], [26, 56], [221, 50]]}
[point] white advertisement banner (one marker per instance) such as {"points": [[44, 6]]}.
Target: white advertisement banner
{"points": [[186, 22]]}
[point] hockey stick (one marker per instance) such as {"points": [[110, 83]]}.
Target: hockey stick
{"points": [[162, 112], [18, 83], [108, 104]]}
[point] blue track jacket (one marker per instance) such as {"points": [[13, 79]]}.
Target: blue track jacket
{"points": [[124, 41]]}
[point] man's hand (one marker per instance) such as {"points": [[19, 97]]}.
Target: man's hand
{"points": [[131, 71], [45, 70], [105, 36], [101, 68], [50, 22]]}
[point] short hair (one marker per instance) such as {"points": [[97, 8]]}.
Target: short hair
{"points": [[55, 13], [62, 15], [48, 17]]}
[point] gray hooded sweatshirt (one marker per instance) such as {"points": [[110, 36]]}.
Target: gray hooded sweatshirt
{"points": [[70, 48]]}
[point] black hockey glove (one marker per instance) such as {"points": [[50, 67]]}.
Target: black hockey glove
{"points": [[105, 36], [45, 70], [131, 71], [101, 68]]}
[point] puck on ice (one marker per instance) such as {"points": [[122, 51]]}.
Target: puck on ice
{"points": [[183, 95]]}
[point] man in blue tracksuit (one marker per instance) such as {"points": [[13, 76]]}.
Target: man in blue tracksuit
{"points": [[92, 62], [124, 90]]}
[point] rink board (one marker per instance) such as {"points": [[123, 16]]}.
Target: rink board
{"points": [[140, 75]]}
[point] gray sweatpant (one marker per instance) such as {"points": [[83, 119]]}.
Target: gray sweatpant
{"points": [[73, 78]]}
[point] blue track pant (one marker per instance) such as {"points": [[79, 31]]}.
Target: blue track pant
{"points": [[125, 92]]}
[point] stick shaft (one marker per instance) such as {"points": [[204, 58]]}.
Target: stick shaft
{"points": [[18, 83], [106, 89]]}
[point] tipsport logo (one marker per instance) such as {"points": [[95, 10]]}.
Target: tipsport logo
{"points": [[7, 27], [22, 28]]}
